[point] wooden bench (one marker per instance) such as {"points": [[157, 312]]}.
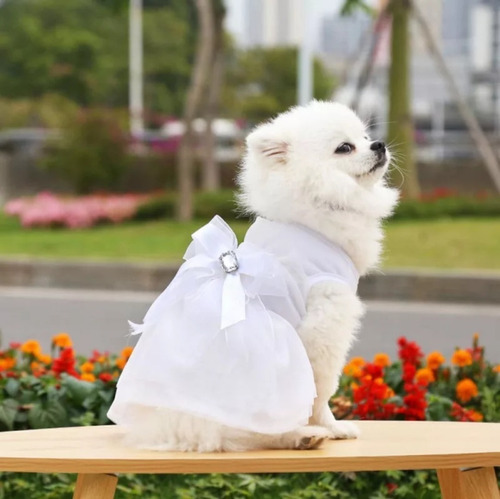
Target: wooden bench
{"points": [[463, 454]]}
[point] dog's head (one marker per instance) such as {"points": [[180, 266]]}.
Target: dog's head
{"points": [[317, 158]]}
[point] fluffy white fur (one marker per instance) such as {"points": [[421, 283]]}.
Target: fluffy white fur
{"points": [[291, 173]]}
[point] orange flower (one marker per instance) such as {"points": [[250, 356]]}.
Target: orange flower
{"points": [[353, 367], [425, 376], [45, 359], [466, 389], [88, 377], [101, 359], [127, 352], [381, 360], [87, 367], [390, 393], [34, 366], [31, 347], [357, 361], [120, 362], [461, 358], [7, 363], [62, 340], [475, 416], [497, 368], [435, 360]]}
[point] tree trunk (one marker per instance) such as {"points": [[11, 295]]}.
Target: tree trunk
{"points": [[211, 168], [194, 98], [400, 132]]}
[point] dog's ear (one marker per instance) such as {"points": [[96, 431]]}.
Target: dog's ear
{"points": [[265, 142]]}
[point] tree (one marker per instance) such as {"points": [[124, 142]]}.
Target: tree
{"points": [[263, 82], [193, 105], [49, 47], [79, 49], [400, 131], [210, 168]]}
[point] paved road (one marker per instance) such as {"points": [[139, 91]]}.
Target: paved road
{"points": [[97, 320]]}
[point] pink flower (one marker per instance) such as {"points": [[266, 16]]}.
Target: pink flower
{"points": [[47, 209]]}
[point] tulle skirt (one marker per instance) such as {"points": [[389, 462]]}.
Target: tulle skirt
{"points": [[253, 374]]}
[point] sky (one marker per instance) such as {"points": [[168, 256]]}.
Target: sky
{"points": [[235, 10]]}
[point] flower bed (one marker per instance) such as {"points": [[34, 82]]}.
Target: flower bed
{"points": [[60, 388], [48, 210], [419, 387]]}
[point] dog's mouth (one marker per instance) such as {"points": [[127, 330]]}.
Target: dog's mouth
{"points": [[380, 163]]}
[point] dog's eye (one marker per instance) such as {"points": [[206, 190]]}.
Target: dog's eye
{"points": [[344, 148]]}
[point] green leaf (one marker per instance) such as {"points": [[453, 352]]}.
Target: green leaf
{"points": [[52, 416], [12, 387], [77, 390], [8, 411]]}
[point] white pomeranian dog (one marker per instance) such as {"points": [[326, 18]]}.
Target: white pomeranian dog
{"points": [[314, 179]]}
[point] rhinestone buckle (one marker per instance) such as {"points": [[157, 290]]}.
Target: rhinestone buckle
{"points": [[229, 261]]}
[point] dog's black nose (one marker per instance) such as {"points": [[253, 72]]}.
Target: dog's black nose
{"points": [[378, 146]]}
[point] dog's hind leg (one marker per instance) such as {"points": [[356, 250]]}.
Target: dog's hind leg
{"points": [[303, 438]]}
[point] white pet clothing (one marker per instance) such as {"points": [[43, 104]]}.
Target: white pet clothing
{"points": [[221, 341]]}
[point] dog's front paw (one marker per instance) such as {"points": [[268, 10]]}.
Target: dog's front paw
{"points": [[341, 430]]}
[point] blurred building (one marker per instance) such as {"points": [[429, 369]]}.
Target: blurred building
{"points": [[467, 33], [342, 37], [270, 23]]}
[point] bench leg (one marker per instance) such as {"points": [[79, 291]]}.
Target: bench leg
{"points": [[95, 486], [479, 483]]}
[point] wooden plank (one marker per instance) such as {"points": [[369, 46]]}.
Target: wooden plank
{"points": [[93, 486], [480, 483], [383, 445]]}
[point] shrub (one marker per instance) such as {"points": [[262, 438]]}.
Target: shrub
{"points": [[91, 154], [206, 206], [48, 111], [447, 207], [223, 203], [162, 206]]}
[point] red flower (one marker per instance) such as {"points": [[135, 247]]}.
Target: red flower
{"points": [[370, 399], [409, 371], [460, 413], [477, 354], [391, 487], [14, 345], [106, 377], [409, 351], [95, 355], [414, 401], [65, 363], [373, 370]]}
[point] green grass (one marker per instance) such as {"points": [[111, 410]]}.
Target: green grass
{"points": [[463, 243], [447, 244]]}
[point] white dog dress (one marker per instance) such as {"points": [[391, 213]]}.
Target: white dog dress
{"points": [[221, 341]]}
